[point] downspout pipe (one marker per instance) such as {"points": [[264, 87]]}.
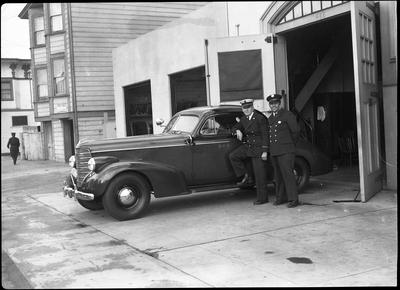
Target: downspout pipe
{"points": [[72, 67], [207, 72]]}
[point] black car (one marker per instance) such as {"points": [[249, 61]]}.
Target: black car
{"points": [[191, 155]]}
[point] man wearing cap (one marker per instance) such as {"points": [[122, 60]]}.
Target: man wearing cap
{"points": [[13, 145], [254, 127], [284, 133]]}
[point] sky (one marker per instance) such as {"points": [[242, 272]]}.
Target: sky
{"points": [[14, 32]]}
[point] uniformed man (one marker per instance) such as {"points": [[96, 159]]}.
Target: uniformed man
{"points": [[13, 145], [284, 133], [253, 131]]}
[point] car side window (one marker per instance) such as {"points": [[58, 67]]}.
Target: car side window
{"points": [[209, 127], [220, 125]]}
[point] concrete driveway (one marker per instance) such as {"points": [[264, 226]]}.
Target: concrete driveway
{"points": [[212, 239]]}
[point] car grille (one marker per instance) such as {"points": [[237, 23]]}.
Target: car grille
{"points": [[82, 158]]}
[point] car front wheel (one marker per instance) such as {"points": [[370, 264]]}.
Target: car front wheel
{"points": [[127, 197], [301, 173], [91, 205]]}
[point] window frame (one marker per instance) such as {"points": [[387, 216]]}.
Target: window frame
{"points": [[9, 81], [50, 17], [13, 121], [34, 31], [38, 97], [53, 77]]}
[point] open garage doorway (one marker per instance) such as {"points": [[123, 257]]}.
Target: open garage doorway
{"points": [[188, 89], [138, 109], [330, 108]]}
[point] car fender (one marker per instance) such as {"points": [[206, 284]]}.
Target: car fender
{"points": [[163, 180], [319, 162]]}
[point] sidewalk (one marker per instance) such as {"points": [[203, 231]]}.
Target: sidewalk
{"points": [[212, 239]]}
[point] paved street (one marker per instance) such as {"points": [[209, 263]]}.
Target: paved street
{"points": [[213, 239]]}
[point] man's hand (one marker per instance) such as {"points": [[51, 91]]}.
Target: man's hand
{"points": [[264, 156], [239, 135]]}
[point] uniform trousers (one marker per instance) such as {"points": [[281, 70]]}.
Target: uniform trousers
{"points": [[14, 150], [285, 181], [238, 161]]}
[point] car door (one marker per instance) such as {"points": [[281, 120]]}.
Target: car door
{"points": [[212, 146]]}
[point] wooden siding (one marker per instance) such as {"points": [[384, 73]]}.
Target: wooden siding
{"points": [[57, 44], [43, 109], [91, 127], [61, 105], [97, 29], [39, 56]]}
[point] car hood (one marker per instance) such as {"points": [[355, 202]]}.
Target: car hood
{"points": [[133, 142]]}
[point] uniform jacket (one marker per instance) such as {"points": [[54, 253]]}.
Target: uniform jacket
{"points": [[255, 133], [284, 132], [13, 141]]}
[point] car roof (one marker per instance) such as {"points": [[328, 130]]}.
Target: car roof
{"points": [[211, 109]]}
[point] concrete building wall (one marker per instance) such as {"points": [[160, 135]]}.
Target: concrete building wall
{"points": [[137, 61], [388, 19]]}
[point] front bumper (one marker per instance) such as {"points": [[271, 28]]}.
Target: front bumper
{"points": [[70, 189]]}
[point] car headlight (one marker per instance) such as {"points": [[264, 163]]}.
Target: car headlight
{"points": [[91, 164], [71, 161]]}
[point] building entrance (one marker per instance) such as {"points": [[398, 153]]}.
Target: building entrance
{"points": [[321, 81]]}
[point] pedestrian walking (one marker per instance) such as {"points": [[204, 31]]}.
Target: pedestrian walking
{"points": [[13, 145], [284, 135], [252, 129]]}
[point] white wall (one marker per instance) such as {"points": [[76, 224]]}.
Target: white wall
{"points": [[176, 47], [247, 15]]}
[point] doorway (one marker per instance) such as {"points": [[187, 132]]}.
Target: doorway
{"points": [[330, 105], [188, 89], [48, 141], [138, 109], [69, 144]]}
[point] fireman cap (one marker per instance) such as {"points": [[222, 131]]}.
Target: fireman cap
{"points": [[246, 103], [274, 98]]}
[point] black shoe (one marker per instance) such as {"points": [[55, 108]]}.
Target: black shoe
{"points": [[257, 202], [279, 202], [293, 204], [247, 179]]}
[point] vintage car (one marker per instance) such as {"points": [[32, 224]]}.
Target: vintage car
{"points": [[191, 155]]}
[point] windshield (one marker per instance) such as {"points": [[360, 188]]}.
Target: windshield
{"points": [[181, 124]]}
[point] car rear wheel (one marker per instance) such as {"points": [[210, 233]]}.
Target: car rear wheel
{"points": [[91, 204], [127, 197], [301, 173]]}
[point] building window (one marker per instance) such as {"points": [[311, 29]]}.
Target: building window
{"points": [[41, 78], [6, 91], [38, 24], [55, 17], [59, 77], [19, 121]]}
